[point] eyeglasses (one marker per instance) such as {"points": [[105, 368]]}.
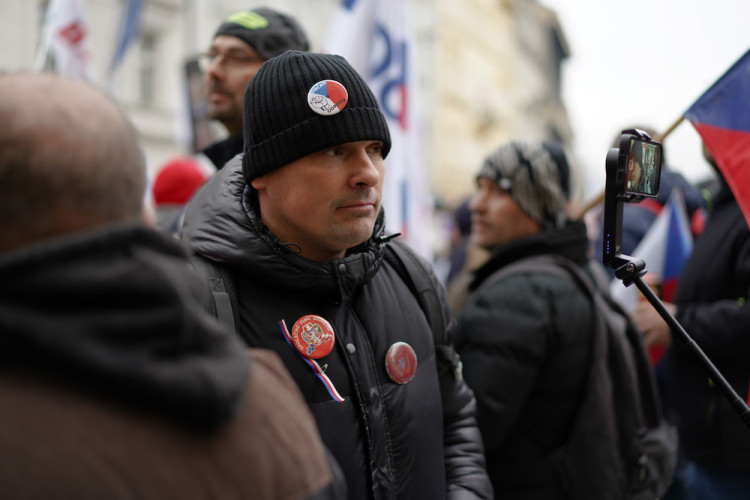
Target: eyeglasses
{"points": [[229, 59]]}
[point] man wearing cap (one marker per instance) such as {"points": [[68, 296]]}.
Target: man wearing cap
{"points": [[524, 337], [240, 45], [297, 228]]}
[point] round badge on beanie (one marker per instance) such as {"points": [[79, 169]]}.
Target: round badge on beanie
{"points": [[300, 103], [327, 97]]}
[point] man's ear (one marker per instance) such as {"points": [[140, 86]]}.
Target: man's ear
{"points": [[259, 182], [148, 214]]}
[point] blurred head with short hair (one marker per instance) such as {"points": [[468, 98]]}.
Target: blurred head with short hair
{"points": [[69, 159]]}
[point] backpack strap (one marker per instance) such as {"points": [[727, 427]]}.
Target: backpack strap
{"points": [[219, 301], [415, 273], [539, 263]]}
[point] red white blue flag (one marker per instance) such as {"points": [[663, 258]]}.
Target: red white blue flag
{"points": [[722, 118], [65, 39], [665, 249], [376, 37]]}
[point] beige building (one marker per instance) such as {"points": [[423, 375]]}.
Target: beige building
{"points": [[490, 70], [496, 77]]}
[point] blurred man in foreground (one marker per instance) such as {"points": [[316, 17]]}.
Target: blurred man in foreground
{"points": [[114, 384]]}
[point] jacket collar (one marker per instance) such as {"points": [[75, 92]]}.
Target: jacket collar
{"points": [[571, 242]]}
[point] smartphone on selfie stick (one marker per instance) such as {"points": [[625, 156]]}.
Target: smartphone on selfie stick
{"points": [[633, 172]]}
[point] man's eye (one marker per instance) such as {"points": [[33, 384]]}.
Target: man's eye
{"points": [[333, 151], [240, 59], [375, 149]]}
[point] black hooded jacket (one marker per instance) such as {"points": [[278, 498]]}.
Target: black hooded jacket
{"points": [[112, 301], [712, 307], [116, 384], [413, 440]]}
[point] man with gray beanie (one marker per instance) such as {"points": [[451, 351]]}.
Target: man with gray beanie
{"points": [[524, 336], [243, 41], [295, 229]]}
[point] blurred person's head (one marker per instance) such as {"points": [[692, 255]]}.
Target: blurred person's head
{"points": [[315, 141], [241, 44], [69, 160], [635, 167], [522, 189]]}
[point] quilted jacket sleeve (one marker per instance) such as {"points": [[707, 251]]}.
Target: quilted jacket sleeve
{"points": [[464, 454]]}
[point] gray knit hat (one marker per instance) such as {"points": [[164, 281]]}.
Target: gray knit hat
{"points": [[536, 174], [267, 31], [300, 103]]}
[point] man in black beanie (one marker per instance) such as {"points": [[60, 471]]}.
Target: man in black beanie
{"points": [[243, 41], [295, 232]]}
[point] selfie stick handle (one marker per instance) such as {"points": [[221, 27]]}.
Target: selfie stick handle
{"points": [[631, 272]]}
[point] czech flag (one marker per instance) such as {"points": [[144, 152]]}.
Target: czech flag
{"points": [[664, 248], [722, 118]]}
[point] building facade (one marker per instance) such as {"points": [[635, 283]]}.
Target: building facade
{"points": [[489, 71]]}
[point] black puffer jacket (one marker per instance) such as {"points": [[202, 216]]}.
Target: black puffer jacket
{"points": [[525, 345], [219, 153], [416, 440], [712, 306]]}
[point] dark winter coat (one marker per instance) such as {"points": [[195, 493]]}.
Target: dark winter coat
{"points": [[712, 307], [222, 151], [525, 345], [116, 385], [414, 440]]}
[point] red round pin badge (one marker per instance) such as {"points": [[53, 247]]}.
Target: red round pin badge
{"points": [[313, 336], [327, 97], [401, 362]]}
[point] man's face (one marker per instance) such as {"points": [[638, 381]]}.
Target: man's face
{"points": [[232, 64], [496, 218], [634, 173], [325, 202]]}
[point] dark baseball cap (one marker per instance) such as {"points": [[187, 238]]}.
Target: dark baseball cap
{"points": [[267, 31]]}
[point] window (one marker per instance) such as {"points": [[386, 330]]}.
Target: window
{"points": [[147, 69]]}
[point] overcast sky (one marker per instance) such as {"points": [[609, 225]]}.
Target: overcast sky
{"points": [[644, 61]]}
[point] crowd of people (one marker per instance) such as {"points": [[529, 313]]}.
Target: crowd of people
{"points": [[264, 336]]}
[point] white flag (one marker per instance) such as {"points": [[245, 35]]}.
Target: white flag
{"points": [[65, 39], [376, 37]]}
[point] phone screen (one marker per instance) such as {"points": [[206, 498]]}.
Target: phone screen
{"points": [[643, 168]]}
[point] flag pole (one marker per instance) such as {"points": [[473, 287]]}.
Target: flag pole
{"points": [[663, 135], [600, 197]]}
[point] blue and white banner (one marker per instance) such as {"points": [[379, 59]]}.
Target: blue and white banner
{"points": [[129, 30], [376, 37]]}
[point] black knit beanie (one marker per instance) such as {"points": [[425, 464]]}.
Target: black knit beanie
{"points": [[300, 103], [267, 31]]}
